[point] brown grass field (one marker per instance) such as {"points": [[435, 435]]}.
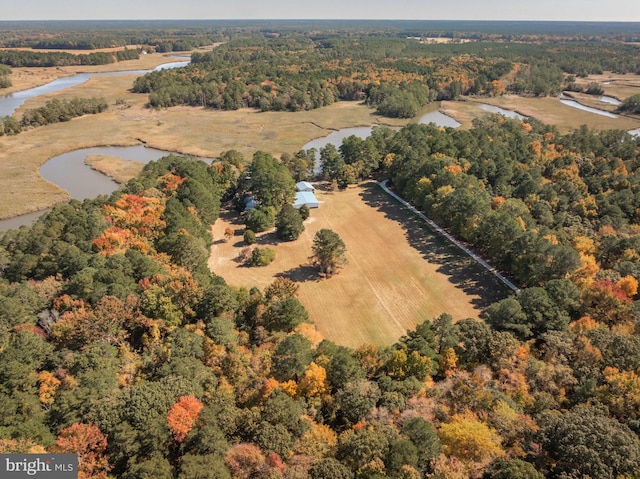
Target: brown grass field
{"points": [[614, 84], [398, 273], [116, 168], [546, 109]]}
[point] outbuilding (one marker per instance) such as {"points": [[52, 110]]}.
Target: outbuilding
{"points": [[304, 186], [305, 198]]}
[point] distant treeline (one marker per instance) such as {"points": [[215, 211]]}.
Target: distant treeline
{"points": [[398, 76], [5, 73], [25, 58], [54, 111], [158, 44]]}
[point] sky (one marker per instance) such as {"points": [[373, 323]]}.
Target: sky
{"points": [[556, 10]]}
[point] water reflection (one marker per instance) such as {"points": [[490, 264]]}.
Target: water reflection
{"points": [[503, 112], [580, 106]]}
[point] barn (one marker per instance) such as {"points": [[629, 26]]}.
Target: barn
{"points": [[305, 198], [304, 186]]}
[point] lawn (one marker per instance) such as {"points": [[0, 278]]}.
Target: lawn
{"points": [[399, 274]]}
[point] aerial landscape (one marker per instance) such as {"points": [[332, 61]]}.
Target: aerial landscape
{"points": [[338, 241]]}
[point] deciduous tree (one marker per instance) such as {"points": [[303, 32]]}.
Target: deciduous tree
{"points": [[182, 416], [328, 252]]}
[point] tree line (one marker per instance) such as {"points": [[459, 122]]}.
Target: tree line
{"points": [[53, 111], [26, 58], [5, 74]]}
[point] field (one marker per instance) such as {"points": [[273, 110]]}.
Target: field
{"points": [[548, 110], [399, 273]]}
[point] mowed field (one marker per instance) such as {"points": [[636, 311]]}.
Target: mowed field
{"points": [[399, 273]]}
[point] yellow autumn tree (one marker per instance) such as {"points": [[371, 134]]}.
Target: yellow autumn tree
{"points": [[314, 381], [629, 285], [319, 440], [448, 363], [621, 393], [470, 440], [49, 384]]}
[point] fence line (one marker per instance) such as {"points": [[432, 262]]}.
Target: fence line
{"points": [[435, 227]]}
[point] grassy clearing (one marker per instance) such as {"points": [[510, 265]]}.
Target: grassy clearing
{"points": [[548, 110], [116, 168], [384, 290], [614, 84]]}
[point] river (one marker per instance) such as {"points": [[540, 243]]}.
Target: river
{"points": [[503, 112], [580, 106], [10, 103], [69, 172]]}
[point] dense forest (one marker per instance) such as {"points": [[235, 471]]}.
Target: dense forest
{"points": [[118, 343], [398, 76]]}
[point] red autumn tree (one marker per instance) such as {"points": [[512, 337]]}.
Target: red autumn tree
{"points": [[182, 416], [88, 442]]}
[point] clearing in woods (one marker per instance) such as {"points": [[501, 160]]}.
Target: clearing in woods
{"points": [[399, 272]]}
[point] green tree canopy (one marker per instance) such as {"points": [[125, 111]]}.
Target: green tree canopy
{"points": [[289, 223], [328, 251]]}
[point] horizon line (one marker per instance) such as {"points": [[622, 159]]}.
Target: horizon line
{"points": [[311, 19]]}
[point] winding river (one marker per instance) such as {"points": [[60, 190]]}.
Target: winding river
{"points": [[68, 170], [10, 103], [503, 112], [580, 106]]}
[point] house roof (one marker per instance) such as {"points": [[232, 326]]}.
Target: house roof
{"points": [[304, 186], [305, 198]]}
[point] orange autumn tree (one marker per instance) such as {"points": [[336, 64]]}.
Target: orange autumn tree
{"points": [[88, 442], [135, 222], [182, 416]]}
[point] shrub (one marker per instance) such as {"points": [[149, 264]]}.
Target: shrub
{"points": [[249, 237], [304, 212], [261, 257]]}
